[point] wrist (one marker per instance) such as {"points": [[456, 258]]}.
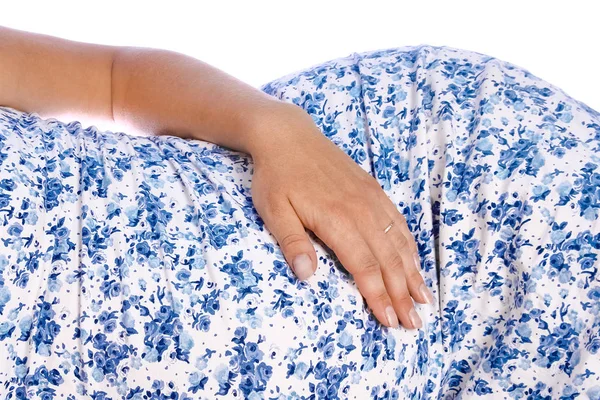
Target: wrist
{"points": [[277, 125]]}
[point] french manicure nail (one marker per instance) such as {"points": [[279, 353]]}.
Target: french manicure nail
{"points": [[417, 261], [414, 318], [302, 266], [425, 292], [391, 317]]}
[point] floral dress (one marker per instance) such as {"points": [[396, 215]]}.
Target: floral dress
{"points": [[137, 267]]}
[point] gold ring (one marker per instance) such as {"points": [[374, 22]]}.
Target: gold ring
{"points": [[388, 227]]}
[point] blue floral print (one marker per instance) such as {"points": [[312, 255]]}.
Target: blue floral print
{"points": [[137, 267]]}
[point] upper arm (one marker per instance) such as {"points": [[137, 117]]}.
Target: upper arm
{"points": [[55, 77]]}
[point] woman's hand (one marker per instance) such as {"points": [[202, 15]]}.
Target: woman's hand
{"points": [[301, 179]]}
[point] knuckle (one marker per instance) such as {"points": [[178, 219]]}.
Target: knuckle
{"points": [[292, 239], [339, 211], [402, 241], [414, 276], [273, 206], [369, 265], [395, 263], [373, 194], [358, 204], [339, 226], [414, 247], [380, 296], [402, 296]]}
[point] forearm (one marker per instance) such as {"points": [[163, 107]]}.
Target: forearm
{"points": [[164, 92]]}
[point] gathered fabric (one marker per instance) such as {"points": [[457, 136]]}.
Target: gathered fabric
{"points": [[137, 267]]}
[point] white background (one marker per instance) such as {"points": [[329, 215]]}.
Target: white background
{"points": [[258, 41]]}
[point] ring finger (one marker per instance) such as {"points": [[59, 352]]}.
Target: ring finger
{"points": [[406, 245], [392, 264]]}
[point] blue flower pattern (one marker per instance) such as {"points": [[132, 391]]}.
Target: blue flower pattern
{"points": [[137, 267]]}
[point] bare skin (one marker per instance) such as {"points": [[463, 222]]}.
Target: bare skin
{"points": [[301, 179]]}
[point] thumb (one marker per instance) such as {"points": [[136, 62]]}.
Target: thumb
{"points": [[284, 224]]}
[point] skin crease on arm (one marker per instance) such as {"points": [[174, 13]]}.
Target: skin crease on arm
{"points": [[300, 180]]}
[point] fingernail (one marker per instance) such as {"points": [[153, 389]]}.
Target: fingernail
{"points": [[417, 261], [302, 266], [414, 318], [425, 292], [391, 317]]}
